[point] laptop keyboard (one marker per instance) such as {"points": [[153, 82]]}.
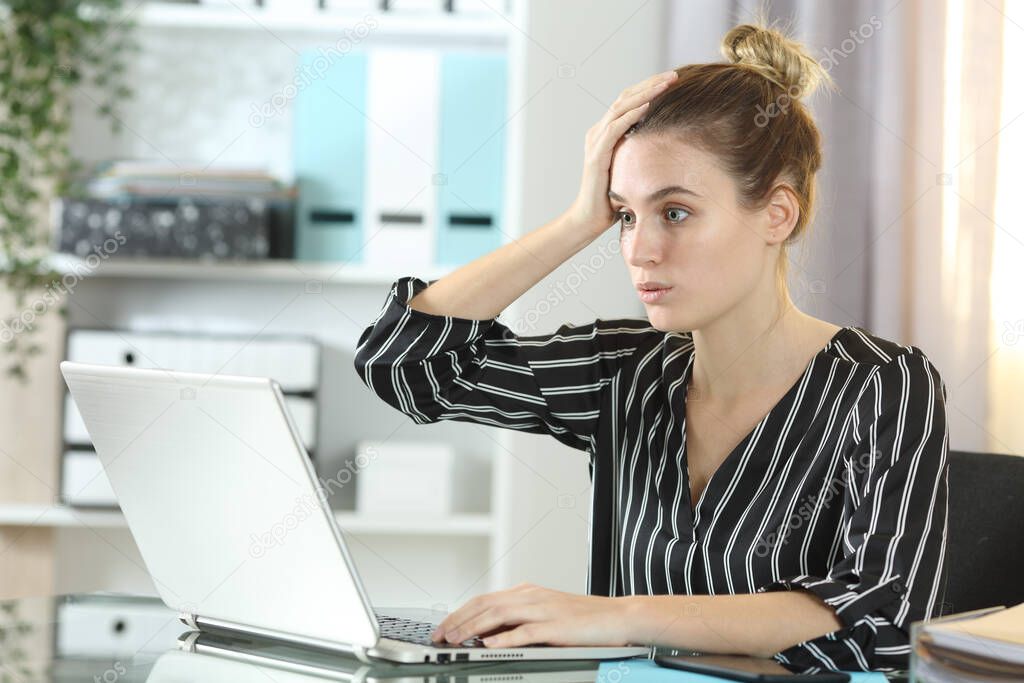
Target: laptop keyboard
{"points": [[418, 632]]}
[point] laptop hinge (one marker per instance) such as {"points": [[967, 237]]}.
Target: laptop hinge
{"points": [[188, 619], [192, 620], [360, 653], [187, 641]]}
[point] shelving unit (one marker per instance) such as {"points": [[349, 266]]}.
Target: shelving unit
{"points": [[241, 271], [525, 518], [415, 26], [66, 517]]}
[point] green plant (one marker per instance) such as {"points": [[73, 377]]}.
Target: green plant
{"points": [[13, 632], [47, 47]]}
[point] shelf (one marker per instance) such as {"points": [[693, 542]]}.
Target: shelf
{"points": [[490, 28], [270, 270], [455, 525], [25, 514]]}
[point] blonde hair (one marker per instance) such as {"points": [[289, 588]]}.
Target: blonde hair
{"points": [[771, 54], [748, 113]]}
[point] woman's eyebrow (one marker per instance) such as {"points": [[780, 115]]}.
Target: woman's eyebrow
{"points": [[658, 194]]}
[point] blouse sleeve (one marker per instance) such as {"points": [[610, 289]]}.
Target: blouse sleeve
{"points": [[894, 525], [437, 367]]}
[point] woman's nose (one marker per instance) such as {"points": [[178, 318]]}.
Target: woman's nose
{"points": [[641, 245]]}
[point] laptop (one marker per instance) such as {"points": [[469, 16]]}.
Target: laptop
{"points": [[204, 467], [201, 657]]}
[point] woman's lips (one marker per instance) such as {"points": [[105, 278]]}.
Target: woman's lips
{"points": [[653, 296]]}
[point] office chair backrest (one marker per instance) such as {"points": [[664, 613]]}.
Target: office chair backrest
{"points": [[985, 542]]}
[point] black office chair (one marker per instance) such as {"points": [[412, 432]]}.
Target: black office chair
{"points": [[985, 541]]}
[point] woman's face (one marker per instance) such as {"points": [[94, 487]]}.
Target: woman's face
{"points": [[680, 226]]}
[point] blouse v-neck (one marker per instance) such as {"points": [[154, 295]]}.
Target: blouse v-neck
{"points": [[729, 460]]}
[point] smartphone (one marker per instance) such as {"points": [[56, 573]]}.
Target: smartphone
{"points": [[743, 669]]}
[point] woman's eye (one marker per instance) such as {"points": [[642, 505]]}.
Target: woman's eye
{"points": [[676, 215], [626, 219]]}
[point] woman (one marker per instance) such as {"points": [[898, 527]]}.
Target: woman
{"points": [[765, 482]]}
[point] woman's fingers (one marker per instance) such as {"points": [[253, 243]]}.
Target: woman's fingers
{"points": [[592, 202], [457, 617], [619, 126], [542, 633], [495, 618], [619, 109], [611, 134], [591, 209], [622, 115], [473, 608], [631, 99], [647, 83], [518, 595]]}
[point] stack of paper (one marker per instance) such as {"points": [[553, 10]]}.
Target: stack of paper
{"points": [[145, 178], [983, 646]]}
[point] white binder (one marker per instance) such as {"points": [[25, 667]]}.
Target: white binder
{"points": [[401, 196]]}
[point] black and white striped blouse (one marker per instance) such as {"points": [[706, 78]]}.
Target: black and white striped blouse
{"points": [[840, 489]]}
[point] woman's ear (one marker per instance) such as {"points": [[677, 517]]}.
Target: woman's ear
{"points": [[783, 213]]}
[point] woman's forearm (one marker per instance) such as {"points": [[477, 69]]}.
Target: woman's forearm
{"points": [[485, 287], [756, 624]]}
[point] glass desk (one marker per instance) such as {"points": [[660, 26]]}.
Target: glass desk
{"points": [[112, 638]]}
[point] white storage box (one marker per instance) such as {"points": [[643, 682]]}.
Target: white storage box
{"points": [[294, 363], [100, 626], [402, 477]]}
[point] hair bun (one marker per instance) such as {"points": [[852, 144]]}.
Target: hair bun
{"points": [[781, 60]]}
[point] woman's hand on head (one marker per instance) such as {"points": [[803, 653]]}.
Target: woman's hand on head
{"points": [[526, 614], [592, 207]]}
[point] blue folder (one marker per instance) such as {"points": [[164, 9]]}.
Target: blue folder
{"points": [[471, 152], [329, 156]]}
